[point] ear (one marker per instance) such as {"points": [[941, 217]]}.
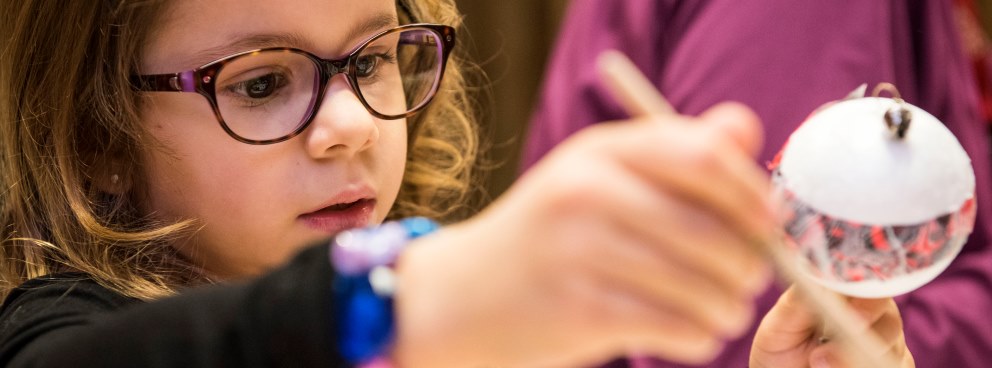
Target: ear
{"points": [[111, 176]]}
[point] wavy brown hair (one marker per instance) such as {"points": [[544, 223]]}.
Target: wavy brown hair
{"points": [[67, 109]]}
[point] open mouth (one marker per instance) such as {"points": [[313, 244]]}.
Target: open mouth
{"points": [[343, 206], [342, 216]]}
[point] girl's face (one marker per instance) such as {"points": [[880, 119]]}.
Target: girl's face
{"points": [[259, 204]]}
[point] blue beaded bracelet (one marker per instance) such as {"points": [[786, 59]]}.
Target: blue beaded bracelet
{"points": [[365, 283]]}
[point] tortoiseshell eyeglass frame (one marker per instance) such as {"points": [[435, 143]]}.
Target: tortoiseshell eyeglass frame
{"points": [[201, 80]]}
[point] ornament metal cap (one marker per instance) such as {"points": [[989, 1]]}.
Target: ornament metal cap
{"points": [[898, 118]]}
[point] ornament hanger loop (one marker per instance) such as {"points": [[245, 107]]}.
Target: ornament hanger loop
{"points": [[897, 119], [887, 87]]}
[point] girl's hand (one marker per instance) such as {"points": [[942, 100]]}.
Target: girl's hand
{"points": [[789, 335], [629, 237]]}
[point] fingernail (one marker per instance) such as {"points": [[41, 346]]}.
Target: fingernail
{"points": [[820, 362]]}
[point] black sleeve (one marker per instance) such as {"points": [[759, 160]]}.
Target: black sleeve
{"points": [[280, 320]]}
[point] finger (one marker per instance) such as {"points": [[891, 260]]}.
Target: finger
{"points": [[694, 236], [826, 356], [831, 355], [742, 129], [602, 322], [673, 287], [679, 233], [636, 325], [738, 122], [724, 125], [749, 184], [880, 317], [693, 163], [699, 281], [889, 330], [756, 186], [788, 325], [871, 310], [642, 207]]}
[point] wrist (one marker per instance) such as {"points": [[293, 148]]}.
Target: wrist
{"points": [[365, 285]]}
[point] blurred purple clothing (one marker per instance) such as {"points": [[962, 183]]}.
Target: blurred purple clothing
{"points": [[784, 58]]}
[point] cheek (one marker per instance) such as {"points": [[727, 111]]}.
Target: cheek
{"points": [[184, 143], [240, 227], [393, 161], [196, 171], [183, 186]]}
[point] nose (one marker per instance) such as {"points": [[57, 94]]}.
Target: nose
{"points": [[342, 126]]}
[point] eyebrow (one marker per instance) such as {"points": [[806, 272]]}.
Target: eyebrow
{"points": [[263, 40]]}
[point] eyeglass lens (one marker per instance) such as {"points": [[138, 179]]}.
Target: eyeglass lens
{"points": [[269, 94]]}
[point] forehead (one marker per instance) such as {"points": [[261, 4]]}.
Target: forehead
{"points": [[193, 32]]}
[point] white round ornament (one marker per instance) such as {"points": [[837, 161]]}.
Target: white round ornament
{"points": [[881, 196]]}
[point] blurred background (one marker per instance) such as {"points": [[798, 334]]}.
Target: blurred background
{"points": [[511, 40]]}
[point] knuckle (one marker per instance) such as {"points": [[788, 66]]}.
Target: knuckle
{"points": [[575, 188], [701, 155], [589, 304], [574, 251]]}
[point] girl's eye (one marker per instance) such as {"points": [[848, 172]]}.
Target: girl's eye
{"points": [[366, 65], [259, 87]]}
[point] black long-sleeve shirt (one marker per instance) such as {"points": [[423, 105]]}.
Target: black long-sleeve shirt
{"points": [[283, 319]]}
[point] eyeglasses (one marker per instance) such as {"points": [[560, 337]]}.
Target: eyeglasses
{"points": [[270, 95]]}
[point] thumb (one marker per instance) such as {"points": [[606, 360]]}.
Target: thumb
{"points": [[788, 325], [738, 122]]}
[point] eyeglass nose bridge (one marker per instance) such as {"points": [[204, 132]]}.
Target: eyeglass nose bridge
{"points": [[330, 68]]}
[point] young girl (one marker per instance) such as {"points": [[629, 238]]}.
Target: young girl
{"points": [[153, 146]]}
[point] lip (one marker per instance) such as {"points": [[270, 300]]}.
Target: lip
{"points": [[329, 220]]}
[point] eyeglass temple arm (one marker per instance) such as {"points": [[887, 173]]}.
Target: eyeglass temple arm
{"points": [[447, 36], [417, 39], [174, 82]]}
